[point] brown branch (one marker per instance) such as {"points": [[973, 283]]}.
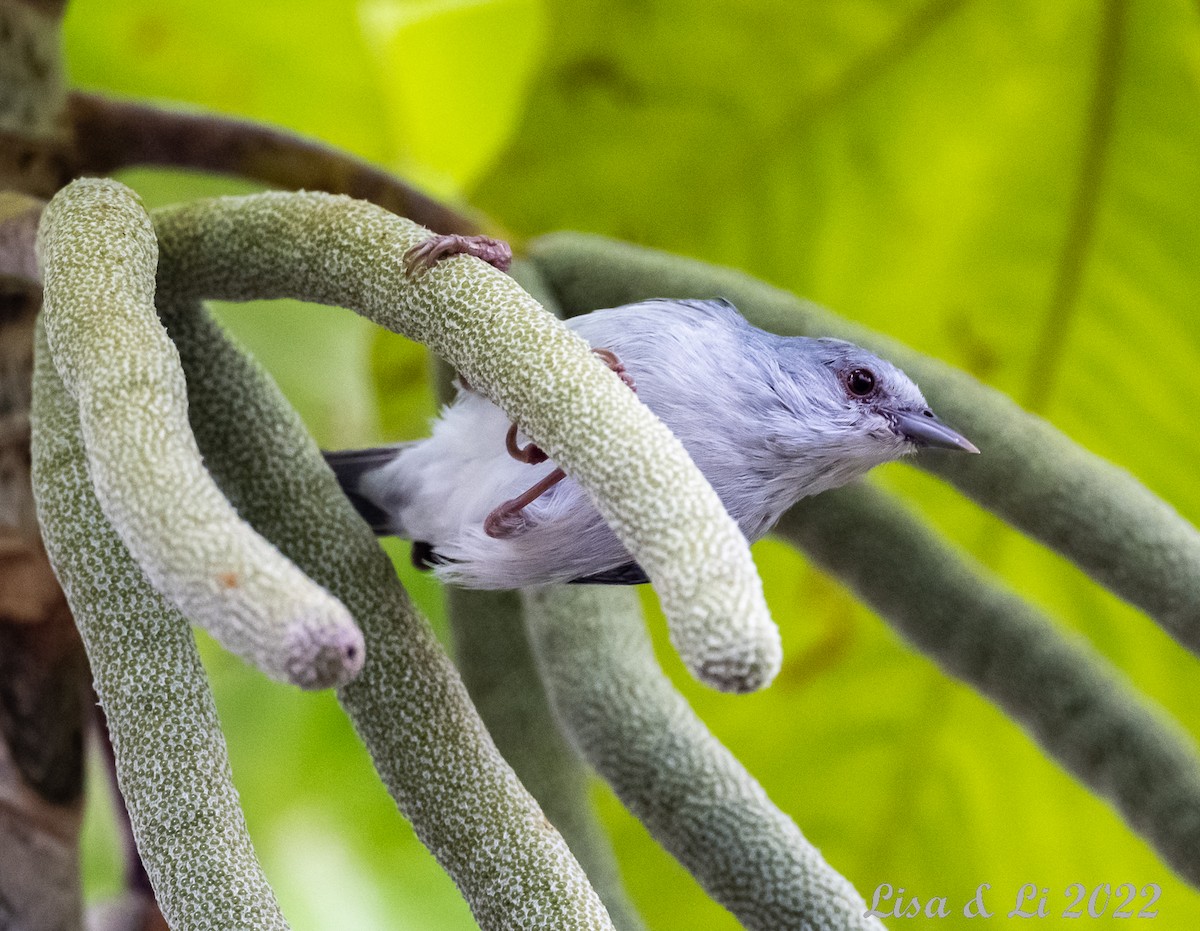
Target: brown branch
{"points": [[32, 97], [113, 134], [43, 671], [34, 165], [19, 215], [49, 7], [1081, 230]]}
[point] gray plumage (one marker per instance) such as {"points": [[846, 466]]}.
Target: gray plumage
{"points": [[768, 419]]}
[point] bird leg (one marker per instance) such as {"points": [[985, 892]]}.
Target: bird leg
{"points": [[426, 254], [531, 454], [613, 362], [507, 519]]}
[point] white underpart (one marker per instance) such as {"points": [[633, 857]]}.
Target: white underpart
{"points": [[719, 392]]}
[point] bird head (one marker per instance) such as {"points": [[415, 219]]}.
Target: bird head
{"points": [[848, 406]]}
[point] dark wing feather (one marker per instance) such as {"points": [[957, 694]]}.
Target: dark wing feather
{"points": [[629, 574], [349, 466]]}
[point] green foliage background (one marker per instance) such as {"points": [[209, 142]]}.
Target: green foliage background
{"points": [[1012, 186]]}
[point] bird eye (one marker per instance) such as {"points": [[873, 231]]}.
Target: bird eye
{"points": [[860, 382]]}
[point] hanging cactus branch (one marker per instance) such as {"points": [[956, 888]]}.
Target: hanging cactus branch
{"points": [[408, 704], [99, 255], [172, 765], [1095, 514], [495, 659], [334, 250], [115, 134], [692, 794], [1065, 696]]}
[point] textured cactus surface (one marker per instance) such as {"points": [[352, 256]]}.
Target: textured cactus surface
{"points": [[172, 765], [1065, 695], [99, 258], [408, 704], [176, 483], [334, 250], [693, 795]]}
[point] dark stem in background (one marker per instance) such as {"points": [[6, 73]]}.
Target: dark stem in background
{"points": [[43, 672], [1058, 689], [1047, 359], [113, 134]]}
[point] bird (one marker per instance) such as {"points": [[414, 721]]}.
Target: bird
{"points": [[768, 420]]}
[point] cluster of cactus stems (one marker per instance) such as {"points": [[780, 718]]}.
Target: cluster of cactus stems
{"points": [[176, 486]]}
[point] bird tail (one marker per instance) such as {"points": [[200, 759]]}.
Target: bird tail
{"points": [[350, 466]]}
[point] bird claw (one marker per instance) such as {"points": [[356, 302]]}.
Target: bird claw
{"points": [[613, 361], [424, 255], [508, 519], [531, 454], [505, 522]]}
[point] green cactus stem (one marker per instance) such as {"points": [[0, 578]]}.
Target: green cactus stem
{"points": [[98, 253], [691, 793], [496, 661], [335, 250], [172, 765], [1067, 698], [408, 704], [494, 656], [1095, 514]]}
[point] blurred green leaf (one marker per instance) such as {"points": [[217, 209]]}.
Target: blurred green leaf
{"points": [[301, 65], [1008, 186], [454, 75]]}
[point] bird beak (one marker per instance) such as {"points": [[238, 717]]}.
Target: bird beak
{"points": [[924, 429]]}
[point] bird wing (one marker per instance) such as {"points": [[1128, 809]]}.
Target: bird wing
{"points": [[628, 574], [350, 466]]}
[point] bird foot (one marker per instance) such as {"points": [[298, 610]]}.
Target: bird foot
{"points": [[507, 520], [532, 453], [614, 362], [426, 254]]}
